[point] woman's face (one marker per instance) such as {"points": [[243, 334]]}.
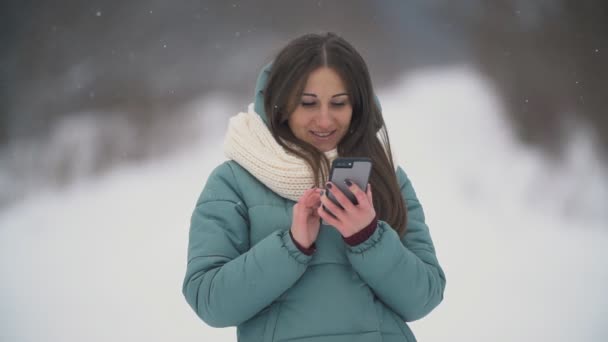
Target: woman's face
{"points": [[323, 112]]}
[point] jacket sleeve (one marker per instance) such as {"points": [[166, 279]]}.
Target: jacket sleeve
{"points": [[227, 281], [404, 273]]}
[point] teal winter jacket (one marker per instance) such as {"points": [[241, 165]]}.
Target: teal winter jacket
{"points": [[244, 269]]}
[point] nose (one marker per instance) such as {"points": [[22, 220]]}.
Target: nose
{"points": [[324, 119]]}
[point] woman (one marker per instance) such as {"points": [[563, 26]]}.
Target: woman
{"points": [[259, 257]]}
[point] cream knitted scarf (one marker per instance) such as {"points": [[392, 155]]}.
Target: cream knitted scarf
{"points": [[250, 143]]}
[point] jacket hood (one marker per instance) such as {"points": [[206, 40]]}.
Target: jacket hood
{"points": [[260, 84]]}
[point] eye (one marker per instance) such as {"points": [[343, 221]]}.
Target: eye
{"points": [[308, 104], [339, 104]]}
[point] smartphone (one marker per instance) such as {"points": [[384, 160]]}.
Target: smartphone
{"points": [[357, 170]]}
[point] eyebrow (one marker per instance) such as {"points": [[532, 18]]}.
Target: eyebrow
{"points": [[315, 95]]}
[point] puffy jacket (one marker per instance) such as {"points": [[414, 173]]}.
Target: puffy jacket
{"points": [[244, 270]]}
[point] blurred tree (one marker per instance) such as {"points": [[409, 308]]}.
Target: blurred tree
{"points": [[550, 62]]}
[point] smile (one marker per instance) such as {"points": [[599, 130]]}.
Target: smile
{"points": [[322, 134]]}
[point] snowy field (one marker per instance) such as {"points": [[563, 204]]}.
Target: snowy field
{"points": [[524, 244]]}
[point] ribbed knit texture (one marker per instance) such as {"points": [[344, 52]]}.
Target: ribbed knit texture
{"points": [[250, 143]]}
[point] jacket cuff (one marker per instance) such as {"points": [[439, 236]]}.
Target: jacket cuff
{"points": [[292, 249], [362, 235], [308, 251], [373, 240]]}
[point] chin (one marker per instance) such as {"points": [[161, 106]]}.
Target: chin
{"points": [[325, 148]]}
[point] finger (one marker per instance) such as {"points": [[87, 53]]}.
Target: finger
{"points": [[331, 206], [370, 196], [312, 198], [310, 192], [360, 195], [327, 217], [315, 202], [313, 212], [305, 194], [344, 201]]}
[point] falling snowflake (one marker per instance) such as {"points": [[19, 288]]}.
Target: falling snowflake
{"points": [[98, 13]]}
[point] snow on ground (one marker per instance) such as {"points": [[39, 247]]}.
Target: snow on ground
{"points": [[523, 244]]}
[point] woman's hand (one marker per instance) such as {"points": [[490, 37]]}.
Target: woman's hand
{"points": [[353, 218], [306, 221]]}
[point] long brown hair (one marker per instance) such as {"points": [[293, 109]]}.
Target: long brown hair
{"points": [[367, 136]]}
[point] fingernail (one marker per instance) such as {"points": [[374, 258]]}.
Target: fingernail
{"points": [[328, 185], [348, 182]]}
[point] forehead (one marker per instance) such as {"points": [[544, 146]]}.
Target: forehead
{"points": [[324, 80]]}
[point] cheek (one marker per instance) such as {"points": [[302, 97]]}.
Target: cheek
{"points": [[346, 117], [296, 124]]}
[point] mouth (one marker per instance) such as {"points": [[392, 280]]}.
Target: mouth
{"points": [[323, 135]]}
